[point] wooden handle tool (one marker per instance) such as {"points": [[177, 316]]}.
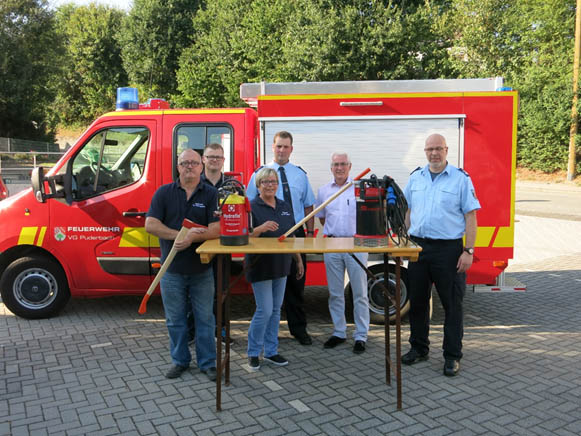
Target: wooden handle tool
{"points": [[186, 225], [325, 203]]}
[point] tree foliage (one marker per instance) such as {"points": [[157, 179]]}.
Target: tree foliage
{"points": [[198, 53], [28, 48], [153, 37], [91, 65], [315, 40], [530, 43]]}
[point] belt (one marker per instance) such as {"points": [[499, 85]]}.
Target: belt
{"points": [[434, 241]]}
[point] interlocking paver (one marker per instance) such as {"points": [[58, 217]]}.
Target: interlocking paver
{"points": [[520, 373]]}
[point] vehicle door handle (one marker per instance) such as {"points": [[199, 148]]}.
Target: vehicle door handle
{"points": [[134, 214]]}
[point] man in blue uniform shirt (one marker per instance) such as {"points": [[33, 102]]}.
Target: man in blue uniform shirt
{"points": [[442, 209], [294, 188], [187, 279]]}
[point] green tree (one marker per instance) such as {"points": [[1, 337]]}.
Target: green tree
{"points": [[530, 43], [28, 49], [92, 67], [153, 37], [246, 41]]}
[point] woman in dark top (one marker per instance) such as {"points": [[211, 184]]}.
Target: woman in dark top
{"points": [[267, 273]]}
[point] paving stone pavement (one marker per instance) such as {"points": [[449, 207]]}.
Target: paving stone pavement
{"points": [[98, 369]]}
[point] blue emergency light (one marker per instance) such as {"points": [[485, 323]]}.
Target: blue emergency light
{"points": [[127, 98]]}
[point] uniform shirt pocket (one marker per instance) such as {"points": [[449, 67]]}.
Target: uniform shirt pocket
{"points": [[449, 196]]}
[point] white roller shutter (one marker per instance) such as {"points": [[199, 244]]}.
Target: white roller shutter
{"points": [[389, 146]]}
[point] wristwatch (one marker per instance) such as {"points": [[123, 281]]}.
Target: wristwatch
{"points": [[470, 251]]}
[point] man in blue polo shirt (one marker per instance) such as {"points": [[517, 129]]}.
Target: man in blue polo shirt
{"points": [[294, 188], [442, 209], [213, 160], [189, 198]]}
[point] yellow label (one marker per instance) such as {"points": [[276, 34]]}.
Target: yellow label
{"points": [[41, 236], [137, 237], [27, 235]]}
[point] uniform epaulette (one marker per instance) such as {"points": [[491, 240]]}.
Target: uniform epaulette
{"points": [[301, 169], [418, 168], [465, 173], [259, 168]]}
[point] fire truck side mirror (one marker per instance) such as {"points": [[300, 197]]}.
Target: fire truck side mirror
{"points": [[57, 186], [37, 181]]}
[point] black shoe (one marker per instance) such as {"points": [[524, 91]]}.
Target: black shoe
{"points": [[175, 371], [333, 341], [253, 363], [451, 367], [210, 372], [277, 360], [304, 338], [359, 347], [224, 337], [412, 357]]}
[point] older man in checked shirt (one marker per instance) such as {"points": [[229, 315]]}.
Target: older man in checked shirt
{"points": [[338, 220]]}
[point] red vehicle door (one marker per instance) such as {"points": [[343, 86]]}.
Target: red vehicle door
{"points": [[101, 233]]}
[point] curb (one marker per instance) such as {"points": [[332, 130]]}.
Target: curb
{"points": [[549, 187]]}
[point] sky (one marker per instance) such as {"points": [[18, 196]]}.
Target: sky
{"points": [[121, 4]]}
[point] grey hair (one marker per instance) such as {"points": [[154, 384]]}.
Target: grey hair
{"points": [[340, 153], [263, 174]]}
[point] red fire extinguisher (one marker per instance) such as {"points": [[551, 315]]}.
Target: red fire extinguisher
{"points": [[234, 210]]}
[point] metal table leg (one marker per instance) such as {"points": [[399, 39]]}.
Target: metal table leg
{"points": [[222, 301]]}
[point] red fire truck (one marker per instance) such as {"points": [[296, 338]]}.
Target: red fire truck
{"points": [[79, 231]]}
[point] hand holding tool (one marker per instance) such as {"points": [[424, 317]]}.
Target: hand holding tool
{"points": [[325, 203], [186, 226]]}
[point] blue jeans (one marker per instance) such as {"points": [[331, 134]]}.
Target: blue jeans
{"points": [[175, 289], [263, 331]]}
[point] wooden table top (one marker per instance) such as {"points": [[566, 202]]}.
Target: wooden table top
{"points": [[303, 245]]}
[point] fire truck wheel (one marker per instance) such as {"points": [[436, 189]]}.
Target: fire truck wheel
{"points": [[375, 294], [34, 287]]}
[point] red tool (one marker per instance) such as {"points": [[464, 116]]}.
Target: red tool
{"points": [[186, 225], [325, 203]]}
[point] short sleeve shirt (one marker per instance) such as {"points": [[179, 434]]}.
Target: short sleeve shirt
{"points": [[301, 192], [218, 185], [438, 207], [340, 214], [269, 266], [170, 205]]}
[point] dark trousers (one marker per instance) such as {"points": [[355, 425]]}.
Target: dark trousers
{"points": [[294, 296], [437, 264]]}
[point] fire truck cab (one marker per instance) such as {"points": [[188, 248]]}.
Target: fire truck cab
{"points": [[79, 231]]}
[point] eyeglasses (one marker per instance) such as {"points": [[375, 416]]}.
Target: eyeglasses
{"points": [[432, 149], [214, 157], [189, 163], [340, 164], [269, 182]]}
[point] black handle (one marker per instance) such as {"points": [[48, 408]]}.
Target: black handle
{"points": [[134, 214]]}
